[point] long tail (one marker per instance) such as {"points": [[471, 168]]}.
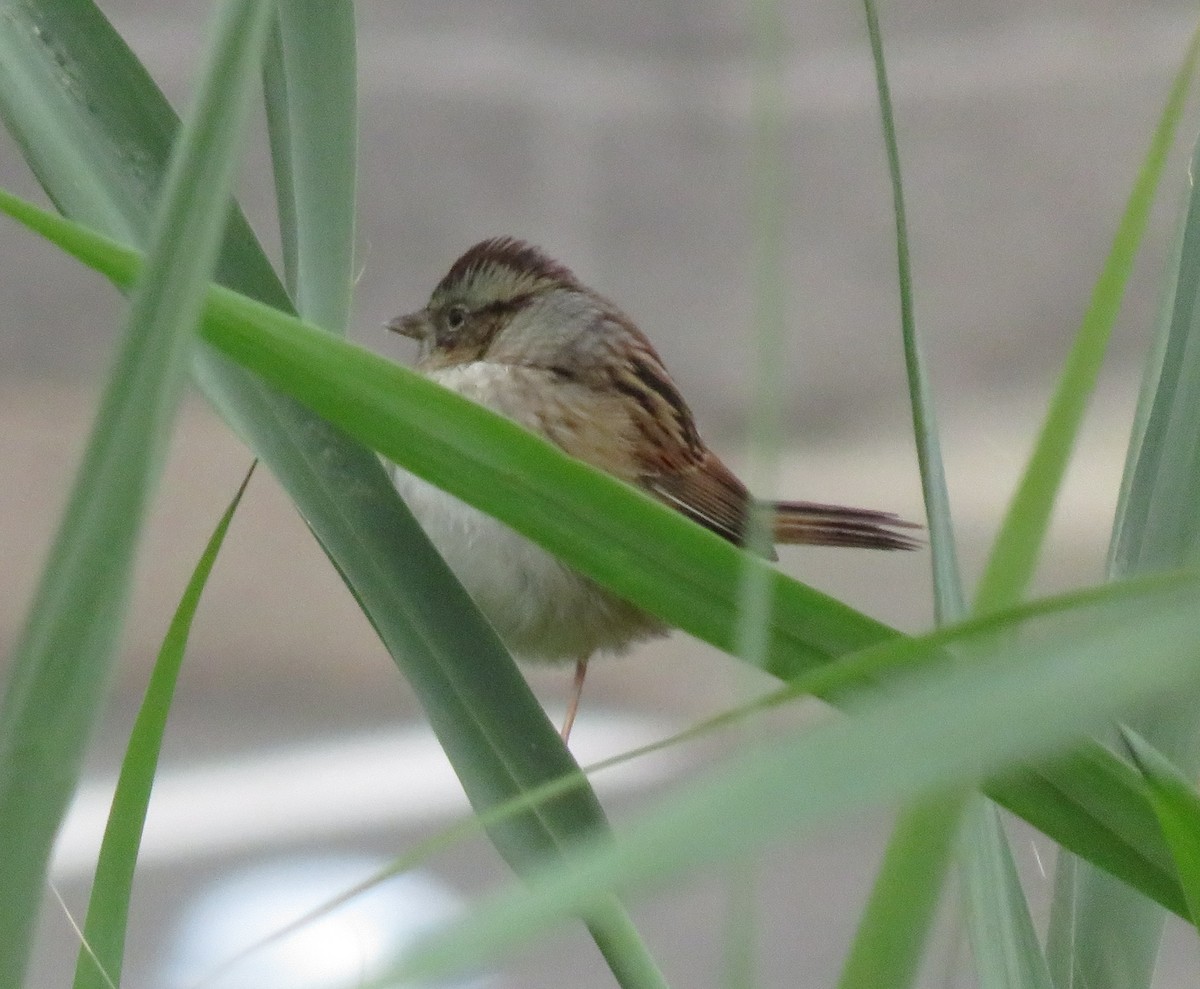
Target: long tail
{"points": [[833, 525]]}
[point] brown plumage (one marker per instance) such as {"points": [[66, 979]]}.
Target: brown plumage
{"points": [[713, 496], [515, 330]]}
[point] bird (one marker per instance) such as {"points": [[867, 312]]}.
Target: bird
{"points": [[514, 330]]}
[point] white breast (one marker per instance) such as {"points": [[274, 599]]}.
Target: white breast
{"points": [[542, 609]]}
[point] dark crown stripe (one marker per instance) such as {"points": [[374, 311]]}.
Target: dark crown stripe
{"points": [[503, 307], [507, 252]]}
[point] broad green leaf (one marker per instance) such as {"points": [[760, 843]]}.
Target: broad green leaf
{"points": [[96, 131], [624, 539], [60, 667], [99, 962], [1105, 816], [481, 456], [1173, 796], [1155, 362], [1015, 552], [312, 115], [950, 727]]}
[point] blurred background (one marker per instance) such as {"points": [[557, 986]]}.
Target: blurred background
{"points": [[618, 136]]}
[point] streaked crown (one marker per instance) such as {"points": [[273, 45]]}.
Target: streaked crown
{"points": [[499, 270]]}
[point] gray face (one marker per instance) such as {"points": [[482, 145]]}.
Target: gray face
{"points": [[508, 303], [479, 298], [462, 326], [562, 327]]}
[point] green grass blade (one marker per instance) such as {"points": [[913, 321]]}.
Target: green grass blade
{"points": [[312, 112], [1015, 552], [769, 313], [1105, 936], [945, 729], [1006, 951], [947, 580], [890, 940], [99, 965], [889, 944], [1159, 525], [1062, 926], [1173, 797], [61, 663], [279, 134], [621, 945], [1003, 940], [1089, 902], [1127, 514], [401, 408], [1097, 806]]}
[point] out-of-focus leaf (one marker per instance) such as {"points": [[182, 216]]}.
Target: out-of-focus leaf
{"points": [[1173, 797], [1103, 935], [101, 955], [887, 949], [312, 115], [1005, 945], [60, 667], [950, 727], [892, 933]]}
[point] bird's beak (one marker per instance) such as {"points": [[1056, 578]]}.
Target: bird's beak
{"points": [[417, 326]]}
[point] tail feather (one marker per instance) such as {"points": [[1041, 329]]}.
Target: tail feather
{"points": [[833, 525]]}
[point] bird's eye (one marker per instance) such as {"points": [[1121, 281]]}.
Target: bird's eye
{"points": [[456, 316]]}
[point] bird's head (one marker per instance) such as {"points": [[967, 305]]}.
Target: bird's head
{"points": [[503, 296]]}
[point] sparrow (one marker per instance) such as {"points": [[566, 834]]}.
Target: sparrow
{"points": [[514, 330]]}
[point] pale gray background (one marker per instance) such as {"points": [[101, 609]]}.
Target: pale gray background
{"points": [[617, 135]]}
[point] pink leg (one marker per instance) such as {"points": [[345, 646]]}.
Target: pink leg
{"points": [[576, 694]]}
